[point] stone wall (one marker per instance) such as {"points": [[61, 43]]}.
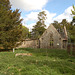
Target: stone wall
{"points": [[28, 43], [45, 38]]}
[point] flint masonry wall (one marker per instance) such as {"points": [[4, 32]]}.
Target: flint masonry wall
{"points": [[44, 41], [45, 38], [28, 43]]}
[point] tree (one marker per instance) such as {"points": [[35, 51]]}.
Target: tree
{"points": [[25, 32], [72, 31], [39, 28], [56, 24], [69, 27], [64, 23], [73, 13], [10, 25]]}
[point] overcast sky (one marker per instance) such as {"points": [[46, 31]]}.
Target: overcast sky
{"points": [[55, 10]]}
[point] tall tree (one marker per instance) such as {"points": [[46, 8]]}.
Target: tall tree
{"points": [[39, 28], [72, 31], [73, 13], [10, 25]]}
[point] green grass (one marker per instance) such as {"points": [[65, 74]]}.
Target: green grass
{"points": [[42, 62]]}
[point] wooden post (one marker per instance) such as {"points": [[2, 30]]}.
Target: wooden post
{"points": [[13, 50], [73, 49], [69, 48]]}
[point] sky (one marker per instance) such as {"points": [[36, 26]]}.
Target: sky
{"points": [[56, 10]]}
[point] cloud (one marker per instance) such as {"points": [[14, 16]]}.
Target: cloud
{"points": [[66, 15], [30, 26], [33, 17], [50, 17], [28, 5]]}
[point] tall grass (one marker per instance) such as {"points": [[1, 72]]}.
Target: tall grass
{"points": [[42, 62]]}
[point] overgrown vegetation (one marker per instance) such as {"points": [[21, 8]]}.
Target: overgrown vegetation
{"points": [[42, 62], [10, 25]]}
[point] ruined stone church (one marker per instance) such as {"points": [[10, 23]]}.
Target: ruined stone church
{"points": [[51, 38]]}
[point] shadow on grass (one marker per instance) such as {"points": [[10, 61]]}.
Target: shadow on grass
{"points": [[6, 50]]}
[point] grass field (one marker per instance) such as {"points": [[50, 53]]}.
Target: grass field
{"points": [[42, 62]]}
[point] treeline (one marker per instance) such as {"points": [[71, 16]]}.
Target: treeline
{"points": [[12, 32]]}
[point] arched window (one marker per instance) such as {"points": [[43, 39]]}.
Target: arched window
{"points": [[51, 40]]}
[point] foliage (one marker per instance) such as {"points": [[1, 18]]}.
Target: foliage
{"points": [[39, 28], [70, 29], [73, 12], [25, 32], [42, 62], [57, 25], [10, 25], [73, 25]]}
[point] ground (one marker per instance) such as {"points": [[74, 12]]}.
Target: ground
{"points": [[42, 62]]}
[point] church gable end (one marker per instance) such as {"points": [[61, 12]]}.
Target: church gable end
{"points": [[51, 38]]}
